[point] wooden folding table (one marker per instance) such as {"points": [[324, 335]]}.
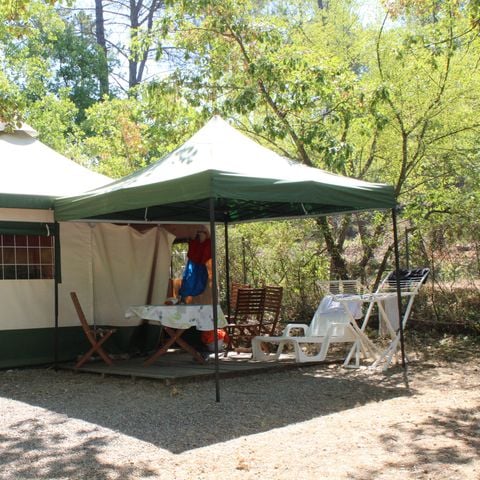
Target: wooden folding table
{"points": [[175, 320]]}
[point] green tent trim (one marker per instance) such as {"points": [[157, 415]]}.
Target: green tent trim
{"points": [[27, 228], [13, 200]]}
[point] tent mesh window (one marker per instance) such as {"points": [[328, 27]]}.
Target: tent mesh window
{"points": [[26, 257]]}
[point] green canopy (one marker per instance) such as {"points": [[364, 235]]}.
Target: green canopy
{"points": [[220, 175], [246, 180]]}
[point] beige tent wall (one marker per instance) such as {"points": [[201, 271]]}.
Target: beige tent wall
{"points": [[123, 259], [26, 215], [77, 272], [108, 266], [26, 303]]}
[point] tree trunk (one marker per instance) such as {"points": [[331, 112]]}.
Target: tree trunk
{"points": [[100, 36], [338, 267]]}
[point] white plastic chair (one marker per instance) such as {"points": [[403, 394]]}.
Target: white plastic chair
{"points": [[333, 322]]}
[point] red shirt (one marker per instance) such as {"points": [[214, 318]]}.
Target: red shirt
{"points": [[199, 252]]}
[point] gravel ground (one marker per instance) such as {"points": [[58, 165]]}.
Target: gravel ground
{"points": [[317, 422]]}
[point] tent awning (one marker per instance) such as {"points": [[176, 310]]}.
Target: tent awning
{"points": [[238, 199]]}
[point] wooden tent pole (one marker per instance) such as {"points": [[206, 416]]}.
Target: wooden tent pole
{"points": [[153, 270]]}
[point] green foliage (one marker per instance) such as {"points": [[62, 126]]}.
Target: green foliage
{"points": [[45, 53], [241, 60], [115, 139], [21, 73], [11, 102], [77, 61], [124, 135], [278, 253], [13, 9], [450, 307], [171, 120], [54, 118]]}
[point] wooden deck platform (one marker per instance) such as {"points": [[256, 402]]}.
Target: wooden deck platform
{"points": [[177, 365]]}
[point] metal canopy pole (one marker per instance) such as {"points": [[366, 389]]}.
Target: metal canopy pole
{"points": [[227, 267], [397, 282], [407, 248], [214, 296]]}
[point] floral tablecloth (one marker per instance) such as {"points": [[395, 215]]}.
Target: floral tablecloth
{"points": [[178, 316]]}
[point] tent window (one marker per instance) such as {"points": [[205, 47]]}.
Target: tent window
{"points": [[26, 257]]}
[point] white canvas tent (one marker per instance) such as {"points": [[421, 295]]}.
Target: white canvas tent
{"points": [[33, 174], [109, 266]]}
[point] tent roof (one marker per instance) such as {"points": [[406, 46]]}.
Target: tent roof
{"points": [[34, 174], [247, 181]]}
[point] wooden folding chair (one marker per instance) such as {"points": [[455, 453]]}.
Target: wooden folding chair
{"points": [[271, 309], [246, 321], [96, 336], [234, 294]]}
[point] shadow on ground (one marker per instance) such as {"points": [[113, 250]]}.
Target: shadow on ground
{"points": [[427, 456], [184, 416]]}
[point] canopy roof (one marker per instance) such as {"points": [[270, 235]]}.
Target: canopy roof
{"points": [[32, 174], [246, 180]]}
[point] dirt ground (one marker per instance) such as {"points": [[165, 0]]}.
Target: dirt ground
{"points": [[318, 422]]}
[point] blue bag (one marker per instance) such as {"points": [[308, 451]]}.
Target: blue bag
{"points": [[194, 281]]}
